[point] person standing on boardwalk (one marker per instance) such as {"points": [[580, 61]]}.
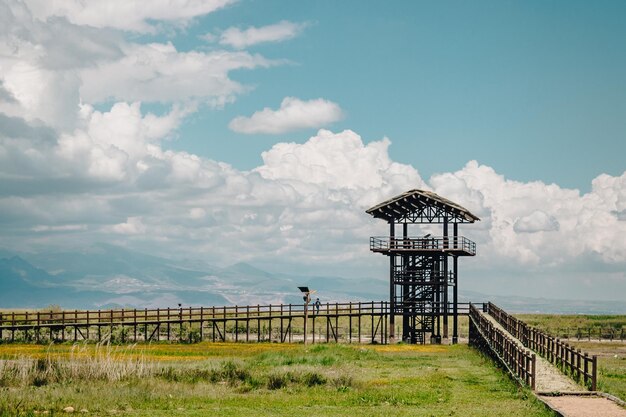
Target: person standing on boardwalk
{"points": [[317, 305]]}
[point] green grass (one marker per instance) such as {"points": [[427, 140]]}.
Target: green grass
{"points": [[562, 325], [230, 379], [611, 365]]}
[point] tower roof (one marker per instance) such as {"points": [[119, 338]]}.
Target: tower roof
{"points": [[420, 206]]}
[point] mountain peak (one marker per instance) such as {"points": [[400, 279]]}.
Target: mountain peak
{"points": [[247, 269]]}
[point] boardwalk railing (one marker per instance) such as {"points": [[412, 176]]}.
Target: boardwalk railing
{"points": [[363, 321], [520, 362], [577, 364]]}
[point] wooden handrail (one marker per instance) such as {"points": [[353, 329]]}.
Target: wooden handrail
{"points": [[520, 362], [561, 354]]}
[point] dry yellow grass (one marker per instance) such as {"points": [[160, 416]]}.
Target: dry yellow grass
{"points": [[408, 348], [157, 352]]}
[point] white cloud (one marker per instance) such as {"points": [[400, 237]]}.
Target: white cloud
{"points": [[338, 161], [159, 73], [60, 228], [537, 221], [576, 225], [68, 64], [305, 202], [131, 15], [293, 114], [238, 38], [132, 226]]}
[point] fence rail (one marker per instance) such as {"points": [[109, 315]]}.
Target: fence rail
{"points": [[591, 333], [520, 362], [434, 243], [579, 365], [236, 323], [348, 321]]}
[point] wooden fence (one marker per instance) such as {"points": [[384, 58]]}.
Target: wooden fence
{"points": [[591, 333], [520, 362], [362, 321], [339, 322], [579, 365]]}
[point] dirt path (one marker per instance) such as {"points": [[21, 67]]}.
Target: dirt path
{"points": [[550, 379]]}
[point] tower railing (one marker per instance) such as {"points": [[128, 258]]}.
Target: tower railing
{"points": [[430, 243]]}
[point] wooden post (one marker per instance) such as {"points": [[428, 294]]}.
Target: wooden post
{"points": [[168, 324], [350, 324], [372, 317], [213, 323], [36, 332], [201, 323], [122, 325], [12, 326], [236, 323], [359, 320], [224, 327], [180, 323], [290, 321], [327, 323], [336, 322], [594, 372], [313, 326], [269, 324], [258, 323]]}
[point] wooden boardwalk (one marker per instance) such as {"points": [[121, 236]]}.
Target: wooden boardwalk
{"points": [[544, 371], [275, 323], [359, 322]]}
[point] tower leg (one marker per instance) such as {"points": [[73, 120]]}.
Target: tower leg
{"points": [[392, 295], [455, 301], [444, 283]]}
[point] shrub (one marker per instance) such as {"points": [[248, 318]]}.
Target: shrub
{"points": [[311, 379], [277, 381]]}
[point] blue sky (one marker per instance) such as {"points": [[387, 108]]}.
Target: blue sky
{"points": [[261, 131], [534, 89]]}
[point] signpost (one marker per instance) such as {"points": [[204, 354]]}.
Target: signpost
{"points": [[307, 299]]}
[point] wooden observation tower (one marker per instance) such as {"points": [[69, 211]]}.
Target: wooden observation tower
{"points": [[420, 277]]}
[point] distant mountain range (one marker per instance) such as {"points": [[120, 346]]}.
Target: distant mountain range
{"points": [[110, 276], [107, 276]]}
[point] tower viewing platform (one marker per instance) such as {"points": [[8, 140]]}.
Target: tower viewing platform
{"points": [[423, 269], [459, 246]]}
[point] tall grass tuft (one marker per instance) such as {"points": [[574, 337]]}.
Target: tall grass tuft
{"points": [[106, 363]]}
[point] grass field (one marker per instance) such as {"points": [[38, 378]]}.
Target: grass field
{"points": [[230, 379], [563, 325]]}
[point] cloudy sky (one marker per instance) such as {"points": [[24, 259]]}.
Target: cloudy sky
{"points": [[260, 131]]}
